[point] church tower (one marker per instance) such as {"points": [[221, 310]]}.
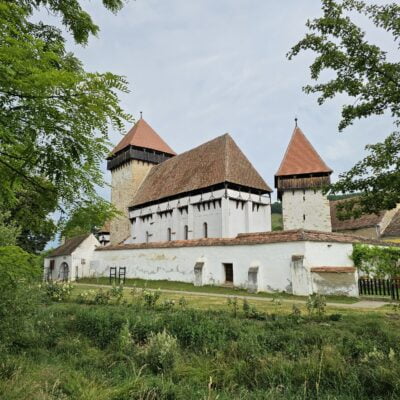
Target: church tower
{"points": [[299, 180], [130, 161]]}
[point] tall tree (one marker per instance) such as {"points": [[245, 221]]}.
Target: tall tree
{"points": [[88, 218], [364, 72], [54, 115]]}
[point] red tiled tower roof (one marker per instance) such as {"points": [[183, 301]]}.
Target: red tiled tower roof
{"points": [[143, 135], [301, 157]]}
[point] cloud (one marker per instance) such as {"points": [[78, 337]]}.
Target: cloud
{"points": [[198, 69]]}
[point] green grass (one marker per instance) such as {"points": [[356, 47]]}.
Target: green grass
{"points": [[94, 352], [189, 287]]}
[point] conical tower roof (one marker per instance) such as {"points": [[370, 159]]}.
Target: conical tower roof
{"points": [[144, 136], [217, 161], [301, 157]]}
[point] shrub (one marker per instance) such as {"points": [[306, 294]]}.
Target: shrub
{"points": [[182, 302], [117, 293], [86, 297], [233, 305], [19, 295], [102, 297], [150, 297], [316, 304], [102, 326], [16, 266], [168, 304], [58, 291], [161, 351], [251, 312]]}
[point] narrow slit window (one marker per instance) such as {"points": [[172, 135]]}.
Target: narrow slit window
{"points": [[205, 230]]}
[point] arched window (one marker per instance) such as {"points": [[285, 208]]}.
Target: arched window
{"points": [[169, 235], [147, 237], [64, 272], [205, 230], [186, 232]]}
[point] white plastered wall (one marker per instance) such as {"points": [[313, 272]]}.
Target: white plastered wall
{"points": [[274, 262], [226, 213], [306, 209]]}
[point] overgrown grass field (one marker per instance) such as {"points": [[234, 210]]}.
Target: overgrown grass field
{"points": [[118, 345]]}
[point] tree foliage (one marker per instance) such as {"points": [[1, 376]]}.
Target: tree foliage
{"points": [[371, 79], [377, 260], [9, 231], [54, 115], [88, 218]]}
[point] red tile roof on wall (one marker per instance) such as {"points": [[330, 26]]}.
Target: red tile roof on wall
{"points": [[301, 157], [217, 161], [336, 270], [143, 135], [365, 221], [255, 239]]}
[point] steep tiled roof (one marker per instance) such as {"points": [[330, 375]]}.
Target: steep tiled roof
{"points": [[143, 135], [393, 229], [69, 246], [365, 221], [256, 238], [217, 161], [301, 157]]}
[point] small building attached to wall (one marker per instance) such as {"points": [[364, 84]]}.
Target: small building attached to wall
{"points": [[71, 260]]}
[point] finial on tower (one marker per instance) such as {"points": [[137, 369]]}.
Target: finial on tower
{"points": [[141, 114], [295, 122]]}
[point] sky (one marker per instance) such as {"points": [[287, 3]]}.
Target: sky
{"points": [[201, 68]]}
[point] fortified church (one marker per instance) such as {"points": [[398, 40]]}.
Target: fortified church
{"points": [[204, 216]]}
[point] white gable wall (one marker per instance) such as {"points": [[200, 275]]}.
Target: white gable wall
{"points": [[78, 261]]}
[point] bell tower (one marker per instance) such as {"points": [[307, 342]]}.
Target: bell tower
{"points": [[299, 180], [129, 163]]}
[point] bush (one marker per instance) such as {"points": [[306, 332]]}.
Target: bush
{"points": [[86, 297], [316, 305], [150, 297], [16, 266], [161, 351], [101, 325], [102, 297], [58, 291], [19, 296], [117, 293]]}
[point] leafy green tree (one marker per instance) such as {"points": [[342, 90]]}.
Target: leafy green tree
{"points": [[54, 115], [365, 73], [88, 218], [30, 211], [9, 231]]}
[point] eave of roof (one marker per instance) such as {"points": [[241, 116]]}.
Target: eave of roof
{"points": [[256, 239]]}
